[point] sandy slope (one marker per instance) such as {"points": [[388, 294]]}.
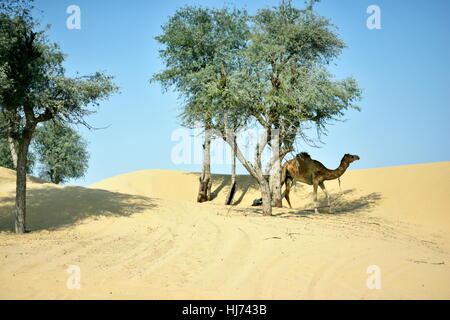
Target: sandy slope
{"points": [[141, 235]]}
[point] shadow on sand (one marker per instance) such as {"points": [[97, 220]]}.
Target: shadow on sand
{"points": [[243, 184], [53, 208], [344, 203]]}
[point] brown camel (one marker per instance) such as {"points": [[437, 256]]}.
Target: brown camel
{"points": [[304, 169]]}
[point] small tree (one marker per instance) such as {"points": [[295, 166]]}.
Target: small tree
{"points": [[290, 49], [198, 43], [61, 152], [34, 89]]}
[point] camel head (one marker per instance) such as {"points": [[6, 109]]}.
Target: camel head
{"points": [[349, 158]]}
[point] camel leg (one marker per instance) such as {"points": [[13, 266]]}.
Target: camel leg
{"points": [[322, 186], [286, 192], [315, 198]]}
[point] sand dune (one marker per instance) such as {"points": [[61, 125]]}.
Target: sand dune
{"points": [[141, 235], [414, 193]]}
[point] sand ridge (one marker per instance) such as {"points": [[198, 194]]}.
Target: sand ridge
{"points": [[142, 236]]}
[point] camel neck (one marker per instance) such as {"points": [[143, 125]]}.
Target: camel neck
{"points": [[339, 171]]}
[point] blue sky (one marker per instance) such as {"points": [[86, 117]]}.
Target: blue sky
{"points": [[402, 67]]}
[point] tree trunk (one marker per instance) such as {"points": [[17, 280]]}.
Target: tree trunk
{"points": [[266, 197], [275, 185], [13, 151], [21, 181], [255, 171], [275, 174], [275, 169], [57, 179], [204, 191], [263, 181], [54, 177], [232, 190]]}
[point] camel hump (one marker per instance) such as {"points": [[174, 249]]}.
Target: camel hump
{"points": [[304, 155]]}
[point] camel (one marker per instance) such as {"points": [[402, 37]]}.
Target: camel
{"points": [[304, 169]]}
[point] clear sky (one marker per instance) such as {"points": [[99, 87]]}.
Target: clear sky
{"points": [[403, 68]]}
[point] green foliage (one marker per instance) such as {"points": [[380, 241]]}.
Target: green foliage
{"points": [[270, 68], [198, 44], [33, 87], [61, 152], [17, 8], [284, 33], [5, 155], [288, 54]]}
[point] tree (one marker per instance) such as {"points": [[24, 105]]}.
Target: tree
{"points": [[272, 76], [279, 82], [197, 44], [291, 48], [61, 152], [34, 89]]}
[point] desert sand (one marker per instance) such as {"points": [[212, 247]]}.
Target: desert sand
{"points": [[142, 236]]}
